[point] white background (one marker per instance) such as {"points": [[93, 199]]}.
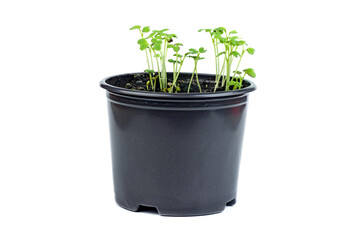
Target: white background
{"points": [[299, 176]]}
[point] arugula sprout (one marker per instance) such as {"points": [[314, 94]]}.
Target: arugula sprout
{"points": [[230, 44], [144, 46], [196, 58], [228, 47]]}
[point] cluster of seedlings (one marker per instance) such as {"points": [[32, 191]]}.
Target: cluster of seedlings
{"points": [[227, 48]]}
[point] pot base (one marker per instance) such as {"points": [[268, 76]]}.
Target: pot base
{"points": [[164, 211]]}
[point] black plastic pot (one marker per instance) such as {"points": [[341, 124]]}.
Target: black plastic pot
{"points": [[178, 153]]}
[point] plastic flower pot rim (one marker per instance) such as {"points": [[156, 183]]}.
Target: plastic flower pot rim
{"points": [[162, 95]]}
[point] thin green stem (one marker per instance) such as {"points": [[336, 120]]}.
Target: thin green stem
{"points": [[197, 78], [163, 65], [223, 75], [228, 73], [178, 72], [216, 66], [195, 70], [176, 61], [147, 60], [228, 65], [158, 67], [241, 80], [174, 70], [152, 68], [222, 70], [191, 79], [218, 60], [152, 62], [237, 67]]}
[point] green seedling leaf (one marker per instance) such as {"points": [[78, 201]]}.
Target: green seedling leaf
{"points": [[176, 48], [235, 53], [232, 83], [178, 44], [202, 50], [206, 30], [220, 54], [237, 72], [150, 35], [171, 35], [135, 27], [200, 58], [157, 55], [149, 71], [146, 29], [250, 72], [178, 55], [222, 39], [220, 29], [144, 46], [233, 32], [156, 41], [160, 31], [158, 36], [142, 41], [233, 42], [173, 61], [250, 51], [217, 35], [193, 51], [240, 42], [157, 47]]}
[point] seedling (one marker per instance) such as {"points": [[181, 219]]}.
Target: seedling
{"points": [[231, 43], [196, 58], [177, 63], [160, 44], [144, 46], [227, 47]]}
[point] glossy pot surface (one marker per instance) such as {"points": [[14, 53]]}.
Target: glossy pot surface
{"points": [[179, 153]]}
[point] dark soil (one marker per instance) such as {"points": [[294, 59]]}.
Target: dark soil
{"points": [[138, 82]]}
